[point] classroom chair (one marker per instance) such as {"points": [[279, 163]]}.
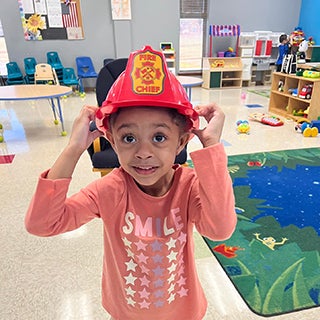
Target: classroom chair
{"points": [[70, 78], [54, 60], [85, 70], [102, 155], [30, 68], [45, 74], [15, 75]]}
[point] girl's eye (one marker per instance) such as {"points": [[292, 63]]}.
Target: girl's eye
{"points": [[159, 138], [129, 139]]}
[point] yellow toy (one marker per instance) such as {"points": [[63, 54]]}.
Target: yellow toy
{"points": [[243, 126], [217, 64]]}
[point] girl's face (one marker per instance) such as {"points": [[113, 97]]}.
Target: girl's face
{"points": [[147, 141]]}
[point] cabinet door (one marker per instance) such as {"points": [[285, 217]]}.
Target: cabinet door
{"points": [[215, 79], [315, 57]]}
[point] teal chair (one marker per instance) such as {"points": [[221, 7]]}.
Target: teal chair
{"points": [[15, 75], [70, 78], [30, 68], [54, 60]]}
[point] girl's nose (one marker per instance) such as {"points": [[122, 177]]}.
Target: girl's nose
{"points": [[144, 150]]}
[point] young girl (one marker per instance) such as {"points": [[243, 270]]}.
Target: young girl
{"points": [[149, 206]]}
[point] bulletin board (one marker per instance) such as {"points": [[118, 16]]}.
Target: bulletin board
{"points": [[51, 19]]}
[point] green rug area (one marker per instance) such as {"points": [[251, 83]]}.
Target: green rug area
{"points": [[261, 92], [273, 256]]}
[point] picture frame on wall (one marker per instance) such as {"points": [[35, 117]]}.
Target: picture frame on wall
{"points": [[121, 9]]}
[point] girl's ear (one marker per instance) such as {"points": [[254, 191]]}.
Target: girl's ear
{"points": [[183, 140], [109, 137]]}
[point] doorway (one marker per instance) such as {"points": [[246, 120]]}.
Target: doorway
{"points": [[4, 58]]}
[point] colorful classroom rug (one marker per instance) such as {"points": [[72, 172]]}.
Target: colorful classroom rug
{"points": [[261, 92], [273, 256]]}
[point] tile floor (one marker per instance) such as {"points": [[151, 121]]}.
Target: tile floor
{"points": [[58, 278]]}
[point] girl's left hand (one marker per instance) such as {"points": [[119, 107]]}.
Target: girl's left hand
{"points": [[215, 117]]}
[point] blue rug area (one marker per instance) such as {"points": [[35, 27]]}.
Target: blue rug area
{"points": [[254, 106], [273, 257]]}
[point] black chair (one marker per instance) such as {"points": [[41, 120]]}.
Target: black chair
{"points": [[103, 157], [107, 60]]}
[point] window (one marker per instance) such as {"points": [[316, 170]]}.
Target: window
{"points": [[193, 19]]}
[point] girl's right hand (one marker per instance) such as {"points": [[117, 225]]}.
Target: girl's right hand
{"points": [[81, 136]]}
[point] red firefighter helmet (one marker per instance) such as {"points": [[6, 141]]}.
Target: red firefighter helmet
{"points": [[146, 82]]}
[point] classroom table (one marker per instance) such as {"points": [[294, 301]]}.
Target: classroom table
{"points": [[36, 92], [189, 82]]}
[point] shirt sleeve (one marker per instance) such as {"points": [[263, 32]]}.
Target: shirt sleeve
{"points": [[213, 202], [51, 212]]}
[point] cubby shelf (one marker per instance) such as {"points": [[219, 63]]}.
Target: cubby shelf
{"points": [[285, 104], [222, 73]]}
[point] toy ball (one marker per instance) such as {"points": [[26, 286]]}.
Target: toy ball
{"points": [[243, 126]]}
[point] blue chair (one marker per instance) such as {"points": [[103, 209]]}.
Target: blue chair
{"points": [[15, 75], [85, 69], [69, 78], [54, 60], [30, 68]]}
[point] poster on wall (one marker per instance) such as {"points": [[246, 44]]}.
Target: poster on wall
{"points": [[51, 19], [121, 9]]}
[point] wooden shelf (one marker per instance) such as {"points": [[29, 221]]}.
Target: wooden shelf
{"points": [[222, 73], [169, 55], [285, 104]]}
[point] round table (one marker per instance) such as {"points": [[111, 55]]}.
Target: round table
{"points": [[189, 82], [36, 92]]}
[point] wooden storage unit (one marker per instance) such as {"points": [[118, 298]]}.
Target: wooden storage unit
{"points": [[170, 59], [284, 103], [222, 73]]}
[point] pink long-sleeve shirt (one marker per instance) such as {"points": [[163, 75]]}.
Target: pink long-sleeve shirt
{"points": [[148, 267]]}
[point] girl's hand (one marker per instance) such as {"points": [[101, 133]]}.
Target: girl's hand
{"points": [[214, 116], [81, 136]]}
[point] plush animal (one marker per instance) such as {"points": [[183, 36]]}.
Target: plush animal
{"points": [[303, 47]]}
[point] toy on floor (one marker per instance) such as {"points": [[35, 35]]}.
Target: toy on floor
{"points": [[243, 126], [267, 119], [306, 128], [1, 133]]}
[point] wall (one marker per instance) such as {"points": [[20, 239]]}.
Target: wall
{"points": [[268, 15], [309, 19], [152, 22]]}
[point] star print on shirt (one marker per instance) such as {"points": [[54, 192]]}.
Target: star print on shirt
{"points": [[154, 271], [131, 265]]}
